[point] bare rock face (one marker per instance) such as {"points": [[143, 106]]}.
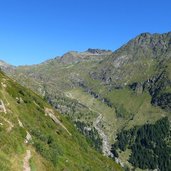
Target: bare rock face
{"points": [[137, 87], [5, 66], [28, 138], [133, 58], [98, 51]]}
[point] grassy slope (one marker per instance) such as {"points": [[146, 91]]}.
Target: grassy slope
{"points": [[72, 152], [138, 110]]}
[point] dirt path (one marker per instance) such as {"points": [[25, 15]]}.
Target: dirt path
{"points": [[26, 164]]}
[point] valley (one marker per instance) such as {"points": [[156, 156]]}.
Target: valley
{"points": [[107, 95], [33, 136]]}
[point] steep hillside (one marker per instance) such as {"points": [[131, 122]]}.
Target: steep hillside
{"points": [[118, 92], [35, 137], [135, 61]]}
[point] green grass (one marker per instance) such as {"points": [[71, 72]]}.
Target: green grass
{"points": [[138, 109], [52, 147]]}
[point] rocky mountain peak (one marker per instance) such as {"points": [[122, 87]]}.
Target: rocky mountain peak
{"points": [[5, 66], [151, 40], [146, 44], [98, 51], [90, 54]]}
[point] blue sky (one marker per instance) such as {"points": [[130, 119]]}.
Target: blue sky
{"points": [[32, 31]]}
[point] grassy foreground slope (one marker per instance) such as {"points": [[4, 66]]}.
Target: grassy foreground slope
{"points": [[33, 135]]}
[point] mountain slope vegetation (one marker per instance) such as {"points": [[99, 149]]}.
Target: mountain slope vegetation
{"points": [[114, 92], [33, 136]]}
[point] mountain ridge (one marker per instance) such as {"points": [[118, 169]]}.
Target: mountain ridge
{"points": [[130, 88]]}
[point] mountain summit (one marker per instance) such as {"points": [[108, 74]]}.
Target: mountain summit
{"points": [[135, 60]]}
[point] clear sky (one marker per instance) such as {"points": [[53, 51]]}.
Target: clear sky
{"points": [[32, 31]]}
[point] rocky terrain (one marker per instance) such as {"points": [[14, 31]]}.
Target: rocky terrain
{"points": [[33, 136], [130, 89]]}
